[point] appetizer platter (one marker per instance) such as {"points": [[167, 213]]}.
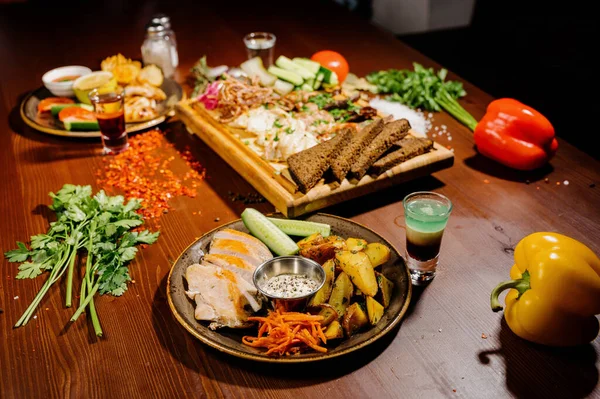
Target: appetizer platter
{"points": [[62, 107], [300, 136], [230, 289]]}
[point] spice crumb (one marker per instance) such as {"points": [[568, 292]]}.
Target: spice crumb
{"points": [[527, 182], [440, 330], [454, 390], [16, 297], [47, 308], [486, 181], [546, 180], [537, 188], [558, 183], [132, 281], [592, 185], [566, 182], [217, 219], [483, 336]]}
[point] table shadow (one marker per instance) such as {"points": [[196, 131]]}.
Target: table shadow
{"points": [[495, 169], [221, 366], [534, 370]]}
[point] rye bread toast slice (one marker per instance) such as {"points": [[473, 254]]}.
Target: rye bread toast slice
{"points": [[307, 167], [392, 132], [410, 147], [349, 154]]}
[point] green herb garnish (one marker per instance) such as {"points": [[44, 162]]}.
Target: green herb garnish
{"points": [[289, 130], [277, 124], [321, 99], [425, 89], [98, 226]]}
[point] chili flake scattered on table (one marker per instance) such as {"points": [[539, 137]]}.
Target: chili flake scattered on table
{"points": [[144, 171]]}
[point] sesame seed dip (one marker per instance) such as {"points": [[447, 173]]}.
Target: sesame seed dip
{"points": [[290, 286]]}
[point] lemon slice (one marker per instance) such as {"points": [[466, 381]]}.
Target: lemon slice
{"points": [[100, 79], [152, 75], [92, 80]]}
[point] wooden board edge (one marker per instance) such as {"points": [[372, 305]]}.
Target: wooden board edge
{"points": [[260, 178]]}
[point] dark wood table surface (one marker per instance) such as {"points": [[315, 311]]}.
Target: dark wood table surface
{"points": [[438, 351]]}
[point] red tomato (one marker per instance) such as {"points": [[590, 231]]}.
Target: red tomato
{"points": [[333, 61], [46, 104], [78, 113]]}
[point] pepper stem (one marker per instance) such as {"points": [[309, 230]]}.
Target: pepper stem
{"points": [[521, 285]]}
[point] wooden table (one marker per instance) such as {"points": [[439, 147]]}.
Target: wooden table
{"points": [[439, 350]]}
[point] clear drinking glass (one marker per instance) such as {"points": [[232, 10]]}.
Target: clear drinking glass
{"points": [[109, 107], [260, 44], [426, 214]]}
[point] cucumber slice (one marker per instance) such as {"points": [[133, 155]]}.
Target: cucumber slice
{"points": [[281, 87], [56, 108], [318, 80], [312, 66], [254, 67], [286, 75], [263, 229], [306, 87], [81, 125], [285, 63], [301, 228], [330, 77]]}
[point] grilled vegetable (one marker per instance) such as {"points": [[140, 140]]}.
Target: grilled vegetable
{"points": [[358, 267], [384, 295], [334, 330], [341, 293], [323, 294], [378, 254], [327, 311], [374, 310], [356, 244], [355, 318]]}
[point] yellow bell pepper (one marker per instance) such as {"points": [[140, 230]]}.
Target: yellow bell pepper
{"points": [[555, 291]]}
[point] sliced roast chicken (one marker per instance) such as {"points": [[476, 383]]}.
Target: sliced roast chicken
{"points": [[221, 285]]}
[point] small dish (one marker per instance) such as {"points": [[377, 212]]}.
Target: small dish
{"points": [[63, 89], [288, 265]]}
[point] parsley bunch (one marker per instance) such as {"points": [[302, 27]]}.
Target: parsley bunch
{"points": [[425, 89], [98, 226]]}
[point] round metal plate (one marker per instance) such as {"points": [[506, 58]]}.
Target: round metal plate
{"points": [[51, 125], [230, 340]]}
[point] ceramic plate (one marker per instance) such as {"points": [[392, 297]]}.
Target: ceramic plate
{"points": [[230, 340], [53, 126]]}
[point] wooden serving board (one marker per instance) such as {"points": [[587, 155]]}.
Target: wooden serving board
{"points": [[280, 190]]}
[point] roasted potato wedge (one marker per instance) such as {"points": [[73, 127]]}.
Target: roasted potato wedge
{"points": [[358, 267], [355, 318], [323, 294], [319, 253], [334, 330], [374, 310], [341, 293], [313, 239], [378, 253], [384, 295], [356, 244], [327, 311]]}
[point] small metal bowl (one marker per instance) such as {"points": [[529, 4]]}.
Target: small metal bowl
{"points": [[288, 265]]}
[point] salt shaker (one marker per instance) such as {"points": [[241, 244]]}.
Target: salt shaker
{"points": [[157, 49], [165, 21]]}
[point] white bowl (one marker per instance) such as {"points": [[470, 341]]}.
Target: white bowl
{"points": [[63, 89]]}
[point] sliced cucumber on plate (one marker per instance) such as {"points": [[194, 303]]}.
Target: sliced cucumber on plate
{"points": [[263, 229], [301, 228]]}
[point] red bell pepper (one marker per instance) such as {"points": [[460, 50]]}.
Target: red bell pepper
{"points": [[515, 135]]}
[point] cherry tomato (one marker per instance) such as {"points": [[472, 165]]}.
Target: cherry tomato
{"points": [[333, 61], [46, 104], [77, 112]]}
